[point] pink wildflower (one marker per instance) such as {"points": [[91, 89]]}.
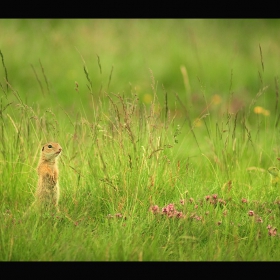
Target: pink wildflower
{"points": [[251, 213], [170, 207], [215, 196], [272, 232], [244, 200], [179, 214], [155, 209], [207, 197]]}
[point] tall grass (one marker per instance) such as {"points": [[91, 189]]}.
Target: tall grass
{"points": [[141, 181]]}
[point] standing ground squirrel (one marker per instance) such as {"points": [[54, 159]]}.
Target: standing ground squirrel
{"points": [[48, 188]]}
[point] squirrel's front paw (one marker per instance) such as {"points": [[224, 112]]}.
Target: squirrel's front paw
{"points": [[51, 178]]}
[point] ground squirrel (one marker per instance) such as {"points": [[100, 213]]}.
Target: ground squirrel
{"points": [[275, 175], [47, 192]]}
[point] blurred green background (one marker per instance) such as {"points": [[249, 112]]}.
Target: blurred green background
{"points": [[186, 56]]}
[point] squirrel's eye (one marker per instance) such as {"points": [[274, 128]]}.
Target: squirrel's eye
{"points": [[50, 146]]}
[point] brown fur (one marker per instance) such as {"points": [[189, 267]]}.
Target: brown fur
{"points": [[47, 192]]}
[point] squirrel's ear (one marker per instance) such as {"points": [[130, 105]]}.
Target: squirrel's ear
{"points": [[43, 148]]}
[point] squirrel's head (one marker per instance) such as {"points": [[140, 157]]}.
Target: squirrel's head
{"points": [[51, 150]]}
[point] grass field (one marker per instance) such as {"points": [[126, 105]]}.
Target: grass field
{"points": [[168, 128]]}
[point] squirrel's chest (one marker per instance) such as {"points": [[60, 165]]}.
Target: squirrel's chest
{"points": [[48, 175]]}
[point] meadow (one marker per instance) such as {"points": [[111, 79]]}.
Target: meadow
{"points": [[168, 128]]}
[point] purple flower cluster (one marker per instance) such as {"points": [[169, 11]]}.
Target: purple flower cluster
{"points": [[168, 210]]}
